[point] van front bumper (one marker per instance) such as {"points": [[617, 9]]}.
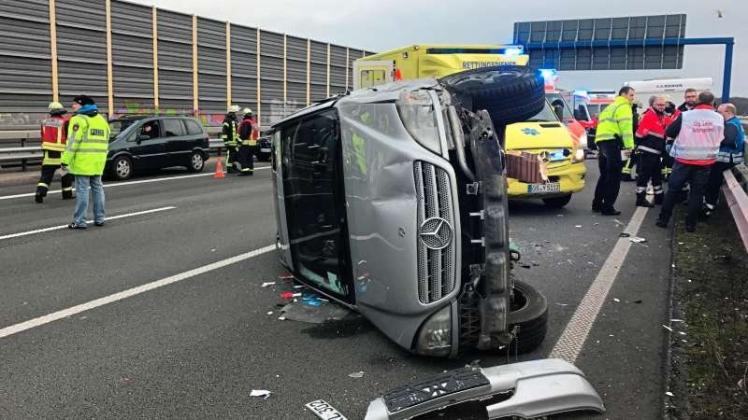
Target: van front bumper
{"points": [[570, 179]]}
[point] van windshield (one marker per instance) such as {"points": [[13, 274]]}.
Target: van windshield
{"points": [[545, 115]]}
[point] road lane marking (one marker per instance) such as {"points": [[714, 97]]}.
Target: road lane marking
{"points": [[575, 334], [128, 183], [74, 310], [53, 228]]}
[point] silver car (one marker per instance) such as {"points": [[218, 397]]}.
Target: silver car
{"points": [[392, 201]]}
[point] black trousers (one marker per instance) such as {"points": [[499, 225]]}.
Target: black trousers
{"points": [[246, 159], [697, 176], [45, 180], [232, 154], [648, 169], [715, 182], [609, 184]]}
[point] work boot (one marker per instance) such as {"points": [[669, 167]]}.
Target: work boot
{"points": [[39, 198], [659, 198], [641, 200], [610, 211], [67, 195]]}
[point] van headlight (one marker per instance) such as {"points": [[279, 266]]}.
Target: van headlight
{"points": [[435, 337], [416, 109], [578, 155]]}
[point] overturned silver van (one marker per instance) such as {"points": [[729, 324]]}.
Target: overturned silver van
{"points": [[392, 201]]}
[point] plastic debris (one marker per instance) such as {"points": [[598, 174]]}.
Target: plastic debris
{"points": [[624, 235], [578, 226], [359, 374], [260, 393], [311, 300], [270, 312], [562, 304], [667, 328], [616, 300], [268, 283], [289, 295], [281, 318], [637, 240], [677, 320], [304, 312], [669, 394]]}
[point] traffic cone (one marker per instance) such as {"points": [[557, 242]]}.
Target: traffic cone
{"points": [[219, 170]]}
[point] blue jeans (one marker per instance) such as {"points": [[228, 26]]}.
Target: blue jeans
{"points": [[82, 183]]}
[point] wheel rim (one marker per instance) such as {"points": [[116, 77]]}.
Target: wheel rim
{"points": [[123, 168], [197, 161]]}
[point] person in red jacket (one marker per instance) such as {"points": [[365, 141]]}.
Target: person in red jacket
{"points": [[650, 141], [54, 137]]}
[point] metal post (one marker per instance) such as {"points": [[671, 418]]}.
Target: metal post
{"points": [[109, 69], [727, 72], [228, 65], [195, 75], [154, 36], [53, 50]]}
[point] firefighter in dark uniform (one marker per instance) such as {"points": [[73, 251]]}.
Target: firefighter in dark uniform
{"points": [[54, 137], [230, 136], [650, 143], [248, 138], [628, 166]]}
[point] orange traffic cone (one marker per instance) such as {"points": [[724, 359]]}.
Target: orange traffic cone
{"points": [[219, 170]]}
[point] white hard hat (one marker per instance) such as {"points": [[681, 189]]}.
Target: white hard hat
{"points": [[55, 106], [234, 108], [246, 111]]}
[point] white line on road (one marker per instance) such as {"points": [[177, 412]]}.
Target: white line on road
{"points": [[46, 319], [128, 183], [572, 340], [53, 228]]}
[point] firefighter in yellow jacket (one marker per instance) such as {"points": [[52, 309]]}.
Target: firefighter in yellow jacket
{"points": [[615, 139], [230, 136], [85, 157]]}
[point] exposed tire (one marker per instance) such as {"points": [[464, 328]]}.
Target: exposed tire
{"points": [[557, 202], [196, 163], [530, 314], [509, 93], [122, 168]]}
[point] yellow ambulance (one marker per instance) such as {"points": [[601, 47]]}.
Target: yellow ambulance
{"points": [[543, 135]]}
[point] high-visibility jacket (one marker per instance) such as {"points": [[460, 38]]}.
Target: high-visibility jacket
{"points": [[248, 132], [650, 134], [733, 153], [53, 133], [702, 131], [87, 145], [616, 121], [230, 132]]}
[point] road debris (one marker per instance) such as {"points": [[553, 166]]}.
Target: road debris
{"points": [[260, 393], [268, 284], [578, 226], [624, 235], [359, 374], [637, 240], [324, 410], [562, 304], [669, 394], [667, 328], [616, 300], [619, 223]]}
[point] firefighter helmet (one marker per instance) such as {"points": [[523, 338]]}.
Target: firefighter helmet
{"points": [[234, 109]]}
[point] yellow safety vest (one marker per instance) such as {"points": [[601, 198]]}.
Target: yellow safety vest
{"points": [[616, 120], [87, 145]]}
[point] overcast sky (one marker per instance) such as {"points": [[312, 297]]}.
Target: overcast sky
{"points": [[385, 24]]}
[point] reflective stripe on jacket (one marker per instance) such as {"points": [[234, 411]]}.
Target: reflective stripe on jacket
{"points": [[729, 154], [650, 135], [87, 145], [230, 132], [616, 121], [53, 133], [701, 133]]}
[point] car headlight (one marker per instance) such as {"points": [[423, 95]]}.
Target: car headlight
{"points": [[578, 155], [416, 110], [435, 337]]}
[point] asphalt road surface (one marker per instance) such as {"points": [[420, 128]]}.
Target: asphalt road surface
{"points": [[196, 344]]}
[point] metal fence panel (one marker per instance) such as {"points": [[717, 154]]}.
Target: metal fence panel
{"points": [[175, 85], [211, 33], [81, 14], [174, 26], [297, 92], [174, 56], [271, 44], [337, 56], [128, 50], [132, 19], [337, 76]]}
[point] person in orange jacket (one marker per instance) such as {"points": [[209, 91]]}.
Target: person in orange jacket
{"points": [[54, 137]]}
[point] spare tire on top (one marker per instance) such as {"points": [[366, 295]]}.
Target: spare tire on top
{"points": [[509, 93]]}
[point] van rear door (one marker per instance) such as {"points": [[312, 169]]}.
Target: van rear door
{"points": [[372, 73]]}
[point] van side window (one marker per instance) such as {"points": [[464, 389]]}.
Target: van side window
{"points": [[173, 127], [371, 78], [150, 130], [193, 128]]}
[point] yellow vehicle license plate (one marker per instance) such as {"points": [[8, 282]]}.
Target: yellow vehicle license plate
{"points": [[549, 187]]}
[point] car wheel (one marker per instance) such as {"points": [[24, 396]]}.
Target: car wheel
{"points": [[509, 93], [122, 168], [557, 202], [529, 313], [197, 162]]}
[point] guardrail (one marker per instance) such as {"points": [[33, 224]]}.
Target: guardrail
{"points": [[735, 191]]}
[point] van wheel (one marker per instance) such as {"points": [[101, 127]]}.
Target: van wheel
{"points": [[509, 93], [122, 168], [529, 312], [557, 202], [197, 162]]}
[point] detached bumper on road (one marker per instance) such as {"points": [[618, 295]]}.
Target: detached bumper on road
{"points": [[570, 179], [534, 389]]}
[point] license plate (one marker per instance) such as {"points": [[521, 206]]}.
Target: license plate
{"points": [[550, 187], [325, 411], [265, 149]]}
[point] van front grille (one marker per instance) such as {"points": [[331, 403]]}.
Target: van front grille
{"points": [[436, 233]]}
